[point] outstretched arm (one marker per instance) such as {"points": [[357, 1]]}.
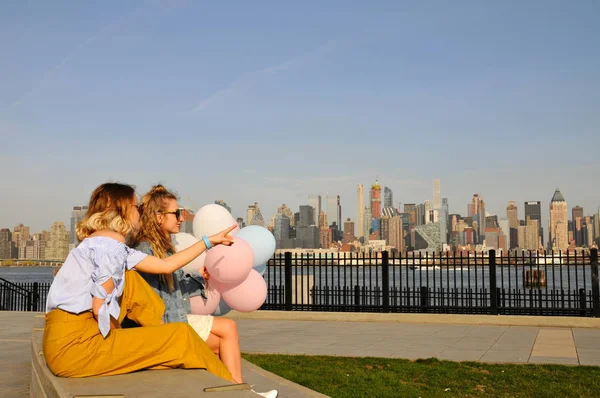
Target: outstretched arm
{"points": [[155, 265]]}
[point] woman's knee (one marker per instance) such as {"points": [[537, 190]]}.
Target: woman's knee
{"points": [[228, 327]]}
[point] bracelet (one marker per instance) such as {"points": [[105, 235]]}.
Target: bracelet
{"points": [[206, 242]]}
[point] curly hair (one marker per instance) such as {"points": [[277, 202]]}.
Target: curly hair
{"points": [[152, 203], [109, 208]]}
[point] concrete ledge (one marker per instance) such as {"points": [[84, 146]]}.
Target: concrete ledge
{"points": [[495, 320], [150, 383]]}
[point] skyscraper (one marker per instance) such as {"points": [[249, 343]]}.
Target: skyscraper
{"points": [[388, 197], [436, 194], [366, 224], [77, 214], [513, 222], [255, 216], [428, 209], [5, 243], [533, 210], [360, 203], [577, 223], [315, 202], [281, 231], [375, 198], [334, 211], [57, 247], [443, 218], [348, 231], [306, 216], [558, 222]]}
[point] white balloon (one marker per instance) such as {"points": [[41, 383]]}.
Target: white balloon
{"points": [[182, 241], [212, 219]]}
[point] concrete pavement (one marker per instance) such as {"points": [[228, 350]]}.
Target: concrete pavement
{"points": [[394, 336], [455, 342]]}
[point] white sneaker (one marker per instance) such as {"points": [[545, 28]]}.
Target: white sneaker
{"points": [[268, 394]]}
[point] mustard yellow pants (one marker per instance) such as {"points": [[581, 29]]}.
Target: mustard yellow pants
{"points": [[74, 347]]}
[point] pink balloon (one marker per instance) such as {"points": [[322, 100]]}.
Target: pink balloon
{"points": [[202, 307], [247, 296], [230, 264]]}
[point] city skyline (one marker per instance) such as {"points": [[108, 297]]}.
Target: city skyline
{"points": [[245, 104], [352, 213]]}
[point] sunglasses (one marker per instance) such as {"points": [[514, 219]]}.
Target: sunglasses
{"points": [[178, 213]]}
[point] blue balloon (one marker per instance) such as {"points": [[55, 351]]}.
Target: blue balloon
{"points": [[261, 269], [261, 241], [222, 308]]}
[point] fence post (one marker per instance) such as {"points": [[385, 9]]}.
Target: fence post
{"points": [[385, 280], [36, 296], [493, 291], [595, 285], [424, 299], [288, 281]]}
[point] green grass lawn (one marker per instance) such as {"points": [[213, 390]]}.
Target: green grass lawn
{"points": [[381, 377]]}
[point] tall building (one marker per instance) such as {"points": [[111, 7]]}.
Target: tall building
{"points": [[334, 210], [388, 197], [77, 214], [558, 224], [57, 248], [315, 202], [436, 195], [281, 231], [504, 224], [533, 210], [366, 225], [254, 216], [360, 212], [307, 217], [428, 210], [348, 231], [375, 199], [396, 233], [512, 213], [411, 209], [532, 234], [420, 217], [325, 233], [5, 243], [443, 219], [478, 208], [577, 222]]}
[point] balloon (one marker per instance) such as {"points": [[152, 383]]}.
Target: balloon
{"points": [[222, 309], [261, 269], [206, 307], [229, 264], [247, 296], [260, 239], [182, 241], [212, 219]]}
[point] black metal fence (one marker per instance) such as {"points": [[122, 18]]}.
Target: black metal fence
{"points": [[450, 283], [23, 296]]}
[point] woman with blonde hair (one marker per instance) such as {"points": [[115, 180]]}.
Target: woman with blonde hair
{"points": [[161, 217], [96, 287]]}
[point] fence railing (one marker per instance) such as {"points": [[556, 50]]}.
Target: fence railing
{"points": [[564, 284], [527, 284], [23, 296]]}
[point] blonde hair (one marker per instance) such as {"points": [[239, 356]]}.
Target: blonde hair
{"points": [[109, 208], [152, 203]]}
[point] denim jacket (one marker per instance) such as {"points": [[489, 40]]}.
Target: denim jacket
{"points": [[186, 285]]}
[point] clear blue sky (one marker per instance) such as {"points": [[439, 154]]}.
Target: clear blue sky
{"points": [[270, 102]]}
